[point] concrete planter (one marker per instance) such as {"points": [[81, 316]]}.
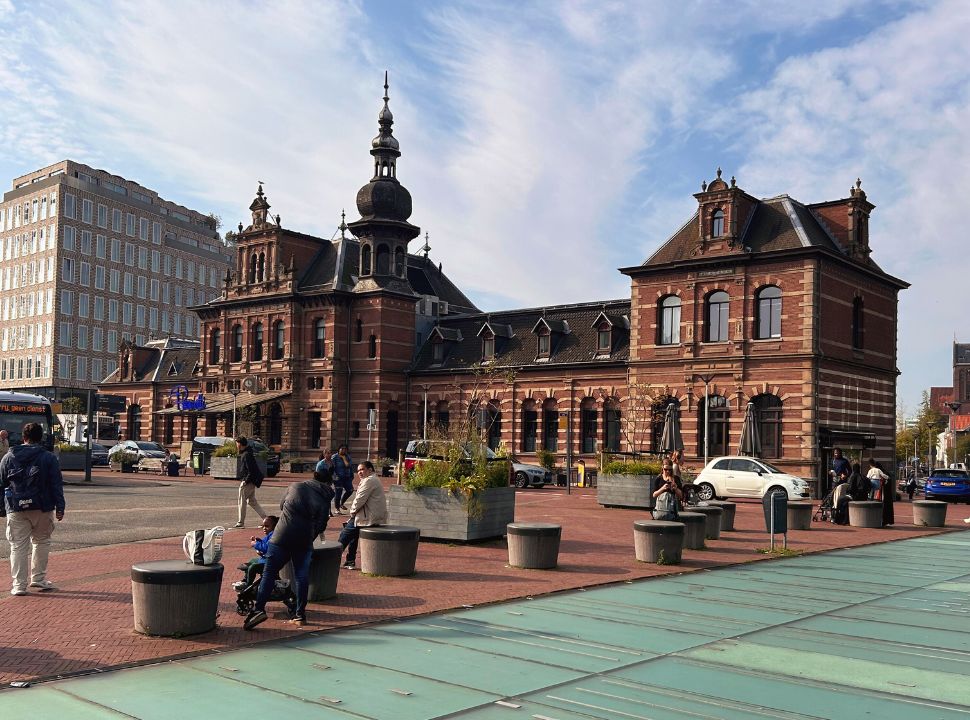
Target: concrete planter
{"points": [[865, 513], [656, 541], [443, 515], [633, 491], [929, 513], [71, 460], [800, 515], [230, 468]]}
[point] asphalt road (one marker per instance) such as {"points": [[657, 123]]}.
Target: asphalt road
{"points": [[115, 510]]}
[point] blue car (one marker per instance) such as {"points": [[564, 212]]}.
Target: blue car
{"points": [[948, 484]]}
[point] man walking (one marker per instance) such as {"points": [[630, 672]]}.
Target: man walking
{"points": [[303, 516], [368, 509], [252, 478], [33, 493], [343, 478]]}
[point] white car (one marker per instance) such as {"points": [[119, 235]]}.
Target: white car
{"points": [[525, 475], [746, 477], [143, 449]]}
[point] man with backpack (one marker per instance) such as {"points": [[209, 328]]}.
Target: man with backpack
{"points": [[33, 495], [252, 478]]}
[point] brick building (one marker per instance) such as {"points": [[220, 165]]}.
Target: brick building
{"points": [[767, 302], [89, 260]]}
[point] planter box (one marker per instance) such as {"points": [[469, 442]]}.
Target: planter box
{"points": [[298, 466], [629, 491], [440, 514], [230, 468], [124, 467], [71, 460]]}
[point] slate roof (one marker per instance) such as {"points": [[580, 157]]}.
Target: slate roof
{"points": [[168, 360], [519, 349], [779, 223]]}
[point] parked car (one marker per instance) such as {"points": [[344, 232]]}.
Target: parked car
{"points": [[208, 444], [99, 454], [904, 479], [948, 484], [746, 477], [144, 449], [523, 474]]}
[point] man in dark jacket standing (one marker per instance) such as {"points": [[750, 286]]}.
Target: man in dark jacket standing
{"points": [[304, 512], [33, 491], [252, 478]]}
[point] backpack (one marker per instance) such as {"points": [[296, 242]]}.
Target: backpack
{"points": [[24, 487]]}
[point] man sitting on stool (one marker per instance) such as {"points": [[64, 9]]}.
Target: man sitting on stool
{"points": [[368, 509]]}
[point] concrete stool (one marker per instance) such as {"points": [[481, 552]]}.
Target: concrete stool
{"points": [[695, 529], [533, 545], [324, 570], [865, 513], [929, 513], [712, 515], [800, 515], [729, 509], [389, 550], [658, 540], [175, 597]]}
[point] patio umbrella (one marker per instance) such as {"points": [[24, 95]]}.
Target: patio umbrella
{"points": [[670, 439], [750, 443]]}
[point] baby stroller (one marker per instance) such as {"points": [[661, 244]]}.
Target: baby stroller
{"points": [[246, 594], [824, 511]]}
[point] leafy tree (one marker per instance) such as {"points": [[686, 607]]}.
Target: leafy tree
{"points": [[72, 405]]}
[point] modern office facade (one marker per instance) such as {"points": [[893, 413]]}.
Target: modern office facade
{"points": [[88, 260]]}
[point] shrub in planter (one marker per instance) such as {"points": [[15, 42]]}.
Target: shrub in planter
{"points": [[125, 460], [71, 457], [627, 483]]}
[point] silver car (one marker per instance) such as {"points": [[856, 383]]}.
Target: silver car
{"points": [[524, 475]]}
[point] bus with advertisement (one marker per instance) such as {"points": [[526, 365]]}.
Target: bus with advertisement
{"points": [[17, 409]]}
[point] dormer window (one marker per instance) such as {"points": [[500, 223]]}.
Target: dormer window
{"points": [[438, 351], [717, 223], [545, 344], [604, 339], [488, 346]]}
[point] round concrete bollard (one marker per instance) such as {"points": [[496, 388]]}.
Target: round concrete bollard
{"points": [[929, 513], [800, 515], [712, 515], [389, 550], [865, 513], [695, 529], [729, 510], [324, 570], [534, 546], [175, 597], [658, 541]]}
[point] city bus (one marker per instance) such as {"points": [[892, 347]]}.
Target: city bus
{"points": [[17, 409]]}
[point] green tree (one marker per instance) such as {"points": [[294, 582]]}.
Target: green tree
{"points": [[72, 405], [961, 448]]}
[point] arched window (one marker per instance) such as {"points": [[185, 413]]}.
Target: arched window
{"points": [[399, 262], [717, 223], [215, 346], [257, 342], [670, 320], [261, 268], [134, 422], [858, 327], [769, 313], [168, 432], [253, 262], [359, 331], [237, 343], [611, 421], [530, 426], [365, 260], [550, 425], [493, 428], [372, 347], [716, 420], [320, 338], [442, 416], [588, 417], [768, 409], [275, 424], [279, 339], [382, 266], [717, 317]]}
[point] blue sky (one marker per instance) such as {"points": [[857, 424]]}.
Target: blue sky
{"points": [[545, 144]]}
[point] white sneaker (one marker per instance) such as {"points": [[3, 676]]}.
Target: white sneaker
{"points": [[19, 591], [44, 585], [239, 525], [966, 520]]}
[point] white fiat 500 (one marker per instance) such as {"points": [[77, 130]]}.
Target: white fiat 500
{"points": [[746, 477]]}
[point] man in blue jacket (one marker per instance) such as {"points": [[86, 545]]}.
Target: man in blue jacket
{"points": [[33, 495]]}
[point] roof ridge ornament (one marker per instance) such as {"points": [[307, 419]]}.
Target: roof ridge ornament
{"points": [[427, 248], [343, 224]]}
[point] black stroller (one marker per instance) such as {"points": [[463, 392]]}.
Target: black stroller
{"points": [[246, 594], [823, 513], [834, 507]]}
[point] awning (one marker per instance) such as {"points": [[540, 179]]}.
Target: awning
{"points": [[830, 437], [218, 403]]}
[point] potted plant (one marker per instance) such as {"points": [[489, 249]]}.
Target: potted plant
{"points": [[461, 497], [225, 463], [627, 483], [124, 461], [71, 456]]}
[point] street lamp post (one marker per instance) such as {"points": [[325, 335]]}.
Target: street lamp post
{"points": [[953, 406], [234, 391]]}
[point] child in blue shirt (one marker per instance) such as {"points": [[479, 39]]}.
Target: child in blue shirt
{"points": [[255, 566]]}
